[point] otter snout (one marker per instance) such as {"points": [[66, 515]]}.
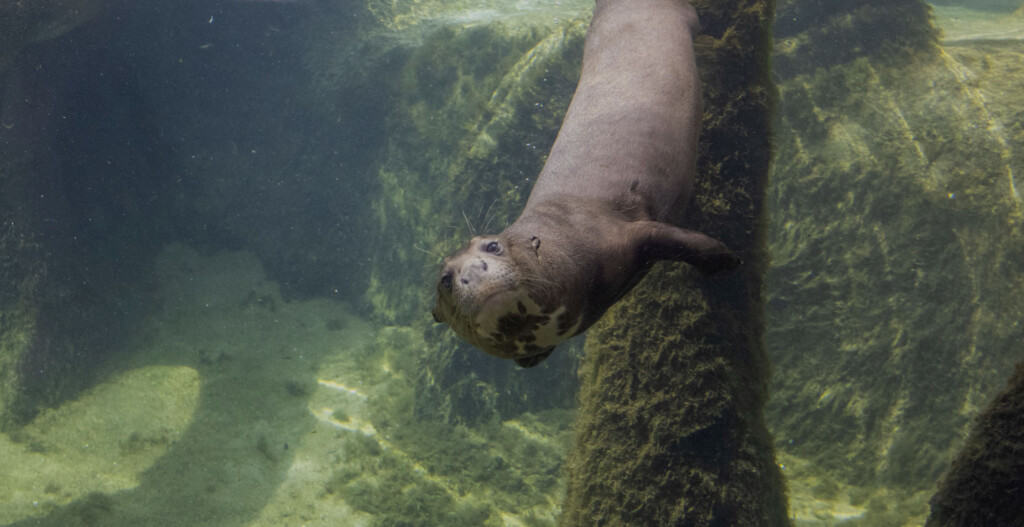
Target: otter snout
{"points": [[469, 278], [472, 271]]}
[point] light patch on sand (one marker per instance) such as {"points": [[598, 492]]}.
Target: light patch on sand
{"points": [[353, 424], [100, 442], [341, 388]]}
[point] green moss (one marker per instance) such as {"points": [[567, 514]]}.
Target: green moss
{"points": [[891, 182], [532, 520], [812, 35], [879, 514], [472, 514], [341, 477], [859, 495], [396, 495], [388, 487], [826, 489], [361, 446], [369, 497]]}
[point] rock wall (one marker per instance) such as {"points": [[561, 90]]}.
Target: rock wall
{"points": [[894, 294]]}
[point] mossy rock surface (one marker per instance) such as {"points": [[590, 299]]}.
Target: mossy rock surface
{"points": [[894, 294]]}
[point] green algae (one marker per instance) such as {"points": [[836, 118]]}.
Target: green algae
{"points": [[896, 239], [385, 485]]}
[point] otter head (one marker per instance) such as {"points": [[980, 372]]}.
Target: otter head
{"points": [[491, 295]]}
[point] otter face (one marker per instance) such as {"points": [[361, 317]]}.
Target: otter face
{"points": [[483, 293]]}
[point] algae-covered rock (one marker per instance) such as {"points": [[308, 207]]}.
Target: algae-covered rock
{"points": [[670, 429], [810, 34], [895, 291]]}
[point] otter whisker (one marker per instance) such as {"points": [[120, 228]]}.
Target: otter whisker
{"points": [[487, 220], [422, 250], [472, 231]]}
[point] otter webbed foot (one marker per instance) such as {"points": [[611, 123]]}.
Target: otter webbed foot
{"points": [[661, 241]]}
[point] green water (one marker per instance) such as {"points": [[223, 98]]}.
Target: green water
{"points": [[221, 223]]}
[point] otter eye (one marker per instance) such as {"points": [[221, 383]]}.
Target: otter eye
{"points": [[446, 281], [493, 247]]}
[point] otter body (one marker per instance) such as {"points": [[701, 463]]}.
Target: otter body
{"points": [[602, 210]]}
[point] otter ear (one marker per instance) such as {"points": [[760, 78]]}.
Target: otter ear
{"points": [[533, 360], [661, 241]]}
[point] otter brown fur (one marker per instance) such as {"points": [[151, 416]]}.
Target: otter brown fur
{"points": [[620, 172]]}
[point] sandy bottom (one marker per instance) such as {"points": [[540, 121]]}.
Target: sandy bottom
{"points": [[235, 407]]}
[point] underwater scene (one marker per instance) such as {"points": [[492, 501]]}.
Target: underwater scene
{"points": [[222, 225]]}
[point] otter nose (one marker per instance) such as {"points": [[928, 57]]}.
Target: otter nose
{"points": [[471, 271]]}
